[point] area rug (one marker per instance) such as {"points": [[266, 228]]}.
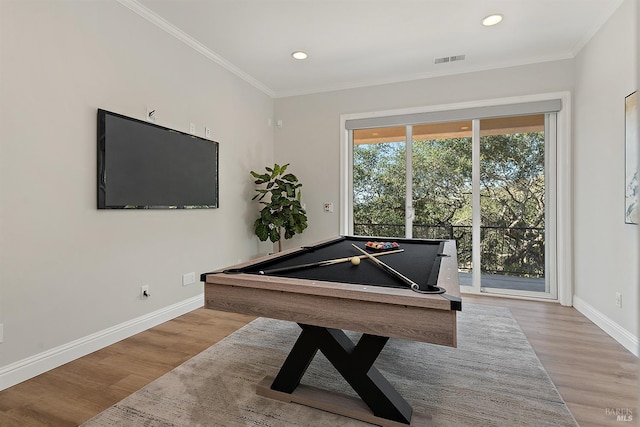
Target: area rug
{"points": [[493, 378]]}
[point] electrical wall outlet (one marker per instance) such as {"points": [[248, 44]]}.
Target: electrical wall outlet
{"points": [[188, 279], [328, 207], [207, 132], [144, 292], [618, 299], [192, 128]]}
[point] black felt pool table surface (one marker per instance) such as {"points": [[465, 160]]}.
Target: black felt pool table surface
{"points": [[420, 262]]}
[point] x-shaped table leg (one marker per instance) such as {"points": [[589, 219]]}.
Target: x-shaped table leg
{"points": [[353, 361]]}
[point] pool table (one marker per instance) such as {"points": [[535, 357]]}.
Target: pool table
{"points": [[325, 300]]}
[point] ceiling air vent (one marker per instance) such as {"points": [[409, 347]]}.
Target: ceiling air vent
{"points": [[449, 59]]}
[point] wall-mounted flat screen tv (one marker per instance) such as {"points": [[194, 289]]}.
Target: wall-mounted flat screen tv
{"points": [[145, 166]]}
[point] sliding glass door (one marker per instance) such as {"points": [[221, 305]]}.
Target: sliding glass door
{"points": [[379, 181], [483, 182], [442, 186], [513, 203]]}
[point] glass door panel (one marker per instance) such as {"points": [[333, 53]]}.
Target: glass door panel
{"points": [[379, 181], [487, 183], [442, 187], [513, 203]]}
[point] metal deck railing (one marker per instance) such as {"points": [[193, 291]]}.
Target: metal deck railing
{"points": [[508, 251]]}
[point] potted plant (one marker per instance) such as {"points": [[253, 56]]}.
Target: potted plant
{"points": [[282, 214]]}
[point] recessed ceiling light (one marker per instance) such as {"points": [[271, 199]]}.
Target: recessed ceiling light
{"points": [[298, 54], [493, 19]]}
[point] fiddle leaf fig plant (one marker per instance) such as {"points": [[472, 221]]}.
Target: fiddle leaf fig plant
{"points": [[282, 214]]}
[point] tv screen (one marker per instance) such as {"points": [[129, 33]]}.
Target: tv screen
{"points": [[145, 166]]}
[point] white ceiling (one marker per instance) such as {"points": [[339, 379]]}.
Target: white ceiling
{"points": [[354, 43]]}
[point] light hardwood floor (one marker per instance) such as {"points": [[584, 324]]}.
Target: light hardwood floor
{"points": [[594, 374]]}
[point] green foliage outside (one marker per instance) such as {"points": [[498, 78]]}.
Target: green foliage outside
{"points": [[282, 212], [512, 196]]}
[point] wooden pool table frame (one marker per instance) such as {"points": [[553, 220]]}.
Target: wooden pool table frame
{"points": [[378, 312]]}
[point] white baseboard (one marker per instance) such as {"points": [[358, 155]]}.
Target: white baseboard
{"points": [[30, 367], [617, 332]]}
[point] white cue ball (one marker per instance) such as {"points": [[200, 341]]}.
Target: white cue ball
{"points": [[355, 260]]}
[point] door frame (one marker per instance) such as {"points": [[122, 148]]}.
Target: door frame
{"points": [[562, 264]]}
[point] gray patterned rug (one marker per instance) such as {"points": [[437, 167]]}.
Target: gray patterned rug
{"points": [[493, 378]]}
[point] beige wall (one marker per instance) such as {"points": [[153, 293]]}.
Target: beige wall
{"points": [[68, 270], [606, 249]]}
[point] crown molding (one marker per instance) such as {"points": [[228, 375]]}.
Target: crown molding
{"points": [[176, 32], [422, 76], [613, 6]]}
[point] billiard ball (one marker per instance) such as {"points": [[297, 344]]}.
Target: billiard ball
{"points": [[355, 260]]}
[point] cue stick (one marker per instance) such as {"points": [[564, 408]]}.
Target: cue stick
{"points": [[324, 263], [413, 285]]}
